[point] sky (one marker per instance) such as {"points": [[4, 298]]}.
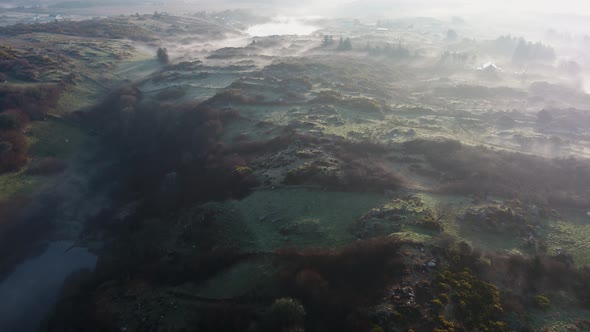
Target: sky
{"points": [[546, 6], [434, 7], [490, 10], [515, 16]]}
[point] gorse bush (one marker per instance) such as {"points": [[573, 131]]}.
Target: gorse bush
{"points": [[475, 303], [542, 302], [286, 313]]}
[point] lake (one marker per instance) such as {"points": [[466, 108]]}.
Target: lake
{"points": [[31, 291]]}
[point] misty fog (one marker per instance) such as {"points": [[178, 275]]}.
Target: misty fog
{"points": [[297, 165]]}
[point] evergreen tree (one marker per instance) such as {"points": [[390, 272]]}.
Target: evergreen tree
{"points": [[452, 35], [162, 55], [328, 40], [344, 44]]}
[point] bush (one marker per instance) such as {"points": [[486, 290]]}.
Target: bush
{"points": [[34, 101], [7, 122], [19, 117], [437, 305], [542, 302], [13, 151], [286, 313], [311, 173], [187, 140], [476, 303], [334, 283], [243, 170]]}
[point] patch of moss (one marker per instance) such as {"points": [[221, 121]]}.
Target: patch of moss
{"points": [[54, 138], [255, 222]]}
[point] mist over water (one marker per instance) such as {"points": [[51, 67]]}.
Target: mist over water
{"points": [[282, 26]]}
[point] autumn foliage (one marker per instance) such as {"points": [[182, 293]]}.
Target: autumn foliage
{"points": [[13, 151], [18, 106], [332, 283]]}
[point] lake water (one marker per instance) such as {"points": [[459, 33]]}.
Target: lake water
{"points": [[282, 26], [30, 292]]}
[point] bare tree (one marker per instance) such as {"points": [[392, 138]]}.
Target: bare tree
{"points": [[440, 212]]}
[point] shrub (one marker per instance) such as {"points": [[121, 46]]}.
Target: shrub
{"points": [[542, 302], [476, 303], [311, 173], [437, 305], [13, 151], [377, 328], [351, 175], [445, 324], [243, 170], [286, 313], [345, 278], [19, 117], [35, 101], [7, 122], [187, 140]]}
